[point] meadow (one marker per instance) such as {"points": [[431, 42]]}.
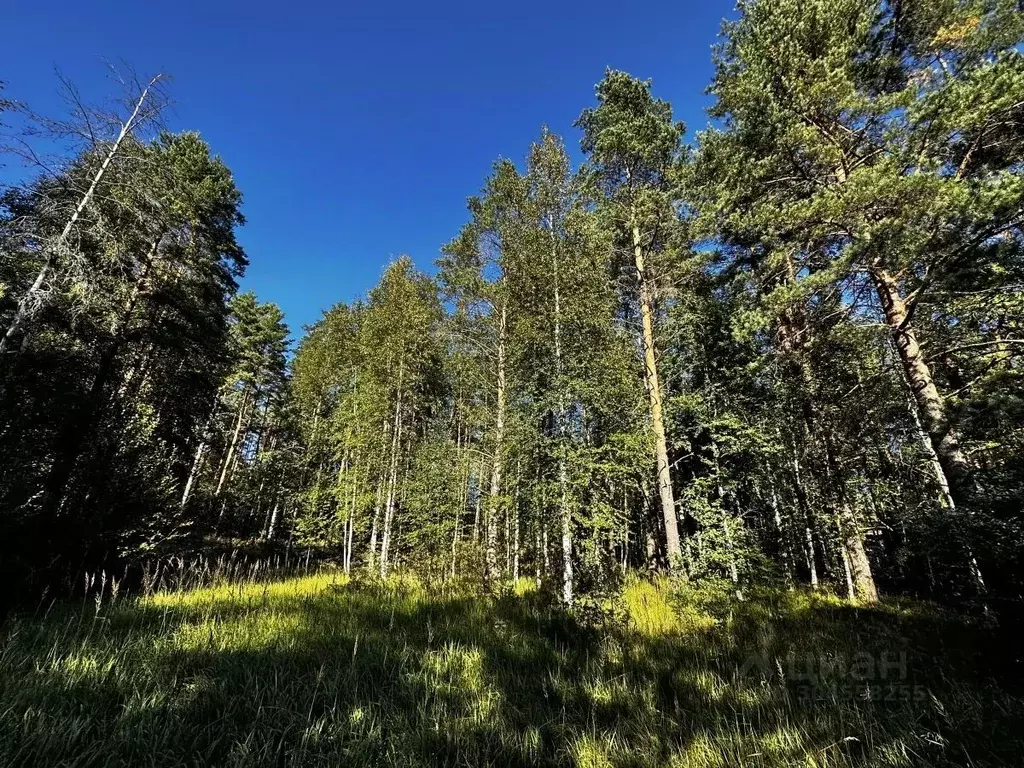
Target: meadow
{"points": [[317, 670]]}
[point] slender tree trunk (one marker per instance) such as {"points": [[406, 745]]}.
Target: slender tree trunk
{"points": [[812, 562], [946, 495], [376, 520], [352, 521], [460, 510], [389, 517], [272, 528], [462, 459], [625, 529], [477, 501], [536, 550], [32, 297], [546, 551], [491, 543], [567, 571], [396, 443], [344, 544], [455, 546], [229, 457], [851, 539], [515, 525], [664, 476], [508, 539], [351, 537], [734, 573], [649, 522], [851, 591], [787, 557], [193, 473], [805, 509], [563, 477]]}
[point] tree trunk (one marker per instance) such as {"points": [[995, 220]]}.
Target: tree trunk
{"points": [[376, 521], [855, 557], [664, 476], [273, 522], [812, 561], [625, 529], [567, 572], [396, 444], [563, 477], [352, 522], [491, 544], [350, 541], [851, 538], [649, 523], [515, 525], [734, 572], [464, 470], [229, 457], [193, 473], [946, 495], [787, 559], [931, 410], [546, 551], [851, 591], [805, 508], [477, 500]]}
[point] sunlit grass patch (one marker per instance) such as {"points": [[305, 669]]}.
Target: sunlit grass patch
{"points": [[524, 586], [650, 609], [247, 633], [248, 592], [591, 752]]}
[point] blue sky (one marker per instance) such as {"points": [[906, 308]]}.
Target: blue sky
{"points": [[356, 131]]}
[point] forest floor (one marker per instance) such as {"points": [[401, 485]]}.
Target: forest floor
{"points": [[320, 671]]}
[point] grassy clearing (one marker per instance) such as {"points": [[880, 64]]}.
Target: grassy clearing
{"points": [[317, 671]]}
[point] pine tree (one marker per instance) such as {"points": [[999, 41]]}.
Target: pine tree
{"points": [[634, 149]]}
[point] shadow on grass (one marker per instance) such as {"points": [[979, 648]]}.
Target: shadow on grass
{"points": [[377, 676]]}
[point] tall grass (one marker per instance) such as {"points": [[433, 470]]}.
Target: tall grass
{"points": [[317, 670]]}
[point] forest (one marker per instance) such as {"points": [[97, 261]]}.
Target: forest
{"points": [[777, 364]]}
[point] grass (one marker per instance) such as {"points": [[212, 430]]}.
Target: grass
{"points": [[318, 671]]}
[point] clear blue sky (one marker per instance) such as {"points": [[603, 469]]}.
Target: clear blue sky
{"points": [[357, 130]]}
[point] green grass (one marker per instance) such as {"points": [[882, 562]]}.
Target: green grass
{"points": [[321, 672]]}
